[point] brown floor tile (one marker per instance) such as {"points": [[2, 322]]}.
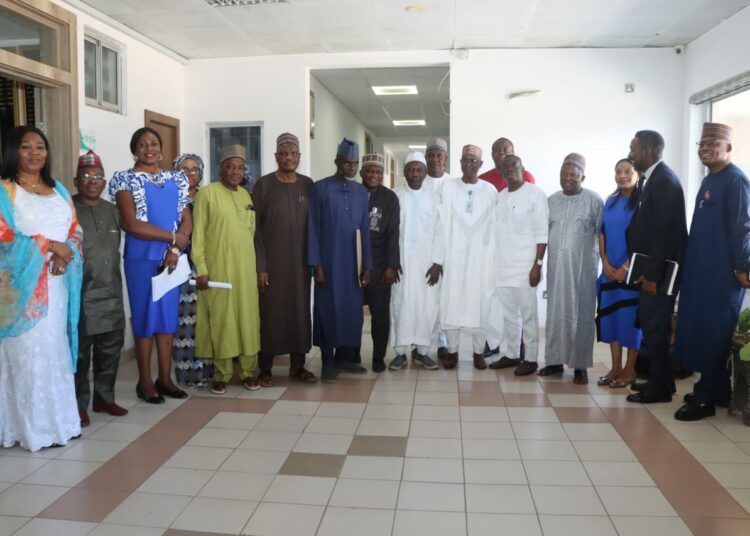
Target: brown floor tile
{"points": [[191, 417], [478, 387], [89, 505], [581, 415], [507, 375], [699, 502], [118, 477], [717, 527], [663, 451], [652, 431], [176, 532], [237, 405], [526, 400], [348, 394], [479, 398], [629, 415], [145, 452], [680, 475], [378, 446], [312, 393], [358, 383], [169, 435], [564, 388], [306, 464]]}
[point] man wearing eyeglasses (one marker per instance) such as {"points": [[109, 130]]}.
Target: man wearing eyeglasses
{"points": [[102, 321]]}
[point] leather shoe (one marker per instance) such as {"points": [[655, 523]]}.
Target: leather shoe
{"points": [[85, 421], [505, 362], [694, 412], [149, 399], [649, 397], [643, 386], [450, 360], [479, 362], [489, 352], [109, 407], [719, 402], [378, 365], [171, 393]]}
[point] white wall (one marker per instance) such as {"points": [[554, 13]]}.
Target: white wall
{"points": [[333, 121]]}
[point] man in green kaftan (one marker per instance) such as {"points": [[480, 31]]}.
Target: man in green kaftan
{"points": [[228, 324]]}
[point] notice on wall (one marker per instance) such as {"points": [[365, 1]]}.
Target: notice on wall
{"points": [[88, 140]]}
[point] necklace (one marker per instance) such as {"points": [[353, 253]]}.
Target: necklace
{"points": [[27, 183]]}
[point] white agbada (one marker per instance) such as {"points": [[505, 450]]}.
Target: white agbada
{"points": [[467, 212], [414, 304]]}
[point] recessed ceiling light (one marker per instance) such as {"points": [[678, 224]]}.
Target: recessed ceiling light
{"points": [[414, 8], [417, 147], [232, 3], [408, 123], [395, 90]]}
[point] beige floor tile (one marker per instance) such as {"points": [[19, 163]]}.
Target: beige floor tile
{"points": [[267, 393], [695, 431], [283, 423], [348, 410], [148, 510], [237, 486], [436, 399], [433, 470], [490, 449], [484, 414], [435, 413], [474, 375], [730, 475], [360, 521], [294, 407], [388, 411], [215, 515], [539, 430], [487, 430], [742, 496], [27, 500], [116, 431], [439, 375], [199, 458], [300, 490], [429, 386], [604, 451], [556, 473], [274, 519], [141, 414], [440, 429], [14, 469], [255, 461], [175, 481], [373, 467], [110, 529], [310, 464], [494, 472], [634, 501], [405, 385], [499, 499], [92, 450], [323, 443], [45, 527], [745, 446], [10, 524], [571, 401], [276, 441], [333, 425], [365, 493], [391, 397], [431, 496], [618, 474], [567, 500], [650, 526], [494, 524], [383, 427], [218, 437], [411, 522], [235, 421], [521, 387], [591, 431], [613, 401], [576, 525], [705, 451], [732, 428], [429, 447], [521, 414], [540, 449]]}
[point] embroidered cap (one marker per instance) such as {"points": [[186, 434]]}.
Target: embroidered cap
{"points": [[287, 138], [348, 149], [718, 131], [233, 151], [90, 159], [438, 143], [577, 160], [471, 151], [373, 159]]}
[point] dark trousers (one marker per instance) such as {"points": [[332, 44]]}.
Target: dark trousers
{"points": [[377, 295], [655, 318], [715, 382], [265, 361], [103, 349]]}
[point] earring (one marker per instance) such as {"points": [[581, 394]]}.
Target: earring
{"points": [[161, 157], [135, 158]]}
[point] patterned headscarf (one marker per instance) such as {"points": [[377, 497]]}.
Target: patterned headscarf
{"points": [[188, 156]]}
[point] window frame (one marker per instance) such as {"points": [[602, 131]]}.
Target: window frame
{"points": [[102, 41], [208, 178]]}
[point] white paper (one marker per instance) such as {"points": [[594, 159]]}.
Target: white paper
{"points": [[164, 282], [213, 284]]}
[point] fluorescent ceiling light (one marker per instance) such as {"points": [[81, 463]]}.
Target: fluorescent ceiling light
{"points": [[408, 123], [395, 90], [417, 147], [232, 3]]}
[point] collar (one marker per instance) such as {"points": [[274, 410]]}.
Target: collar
{"points": [[650, 170]]}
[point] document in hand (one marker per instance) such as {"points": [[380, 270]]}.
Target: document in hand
{"points": [[669, 275], [164, 282]]}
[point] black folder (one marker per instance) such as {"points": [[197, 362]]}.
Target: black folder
{"points": [[638, 265]]}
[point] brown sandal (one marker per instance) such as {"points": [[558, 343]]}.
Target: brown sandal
{"points": [[265, 380], [219, 388], [303, 375], [580, 377], [251, 384], [479, 362]]}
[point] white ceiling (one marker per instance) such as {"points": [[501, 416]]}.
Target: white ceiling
{"points": [[193, 29]]}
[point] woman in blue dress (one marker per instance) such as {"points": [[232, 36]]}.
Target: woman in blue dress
{"points": [[153, 205], [617, 303]]}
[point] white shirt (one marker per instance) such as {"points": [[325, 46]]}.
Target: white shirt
{"points": [[648, 172]]}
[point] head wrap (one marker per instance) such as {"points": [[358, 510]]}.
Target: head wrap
{"points": [[718, 131], [90, 159], [415, 156], [188, 156], [287, 138], [577, 160], [373, 159], [348, 149], [438, 143], [233, 151], [472, 151]]}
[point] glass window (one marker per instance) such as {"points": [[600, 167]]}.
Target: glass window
{"points": [[89, 68], [102, 71], [109, 76], [27, 38], [246, 135], [735, 112]]}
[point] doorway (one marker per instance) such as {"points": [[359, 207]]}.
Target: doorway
{"points": [[169, 130]]}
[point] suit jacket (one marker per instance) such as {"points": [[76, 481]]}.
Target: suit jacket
{"points": [[384, 224], [658, 228]]}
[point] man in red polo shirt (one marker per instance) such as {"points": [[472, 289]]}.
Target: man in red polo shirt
{"points": [[500, 149]]}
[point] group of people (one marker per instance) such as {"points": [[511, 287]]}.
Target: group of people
{"points": [[432, 259]]}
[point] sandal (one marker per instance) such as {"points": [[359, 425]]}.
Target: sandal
{"points": [[618, 384], [580, 377], [549, 370], [607, 379], [219, 388], [265, 379], [251, 384], [303, 375], [479, 362]]}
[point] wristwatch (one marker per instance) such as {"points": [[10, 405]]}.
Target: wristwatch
{"points": [[539, 262], [175, 250]]}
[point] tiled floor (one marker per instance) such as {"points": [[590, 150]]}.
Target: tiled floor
{"points": [[412, 452]]}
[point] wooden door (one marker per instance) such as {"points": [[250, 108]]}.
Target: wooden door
{"points": [[169, 130]]}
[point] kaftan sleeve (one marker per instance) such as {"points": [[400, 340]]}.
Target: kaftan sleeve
{"points": [[541, 219], [313, 219], [261, 264], [737, 216], [392, 231], [364, 229], [201, 210]]}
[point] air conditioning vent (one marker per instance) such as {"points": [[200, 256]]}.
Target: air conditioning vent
{"points": [[233, 3]]}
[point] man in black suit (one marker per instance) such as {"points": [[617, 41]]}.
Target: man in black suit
{"points": [[658, 229]]}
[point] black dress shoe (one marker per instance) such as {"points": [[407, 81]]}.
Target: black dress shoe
{"points": [[720, 402], [695, 412], [378, 365], [351, 368], [171, 393], [649, 397], [149, 399], [489, 352], [643, 386], [442, 352]]}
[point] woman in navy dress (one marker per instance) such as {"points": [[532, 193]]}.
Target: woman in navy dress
{"points": [[154, 211], [617, 303]]}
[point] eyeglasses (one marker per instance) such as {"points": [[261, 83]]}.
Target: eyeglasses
{"points": [[191, 171], [470, 160], [710, 144], [87, 177], [148, 144]]}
